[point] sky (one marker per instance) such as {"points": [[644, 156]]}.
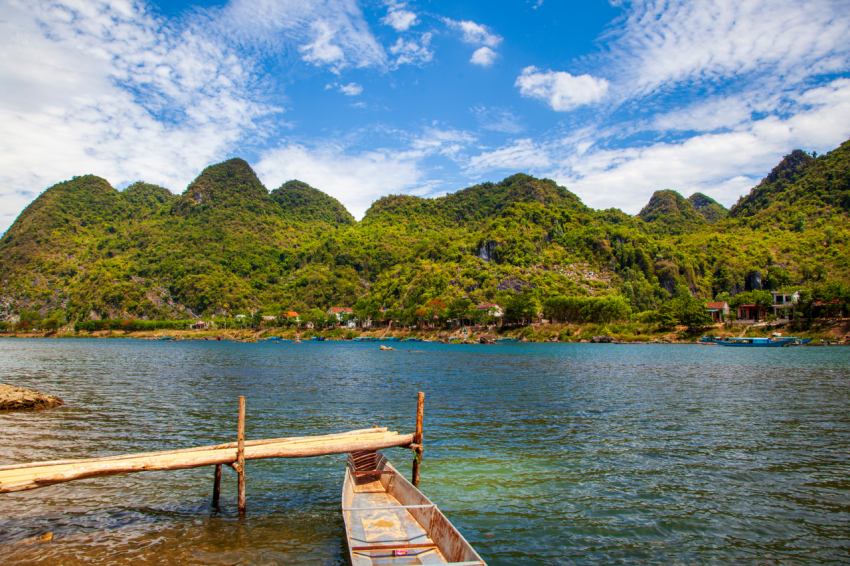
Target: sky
{"points": [[610, 98]]}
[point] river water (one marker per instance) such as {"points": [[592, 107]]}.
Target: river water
{"points": [[538, 453]]}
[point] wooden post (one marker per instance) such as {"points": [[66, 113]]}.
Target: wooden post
{"points": [[417, 437], [240, 454], [217, 485]]}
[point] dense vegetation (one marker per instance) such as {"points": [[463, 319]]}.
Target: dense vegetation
{"points": [[83, 251]]}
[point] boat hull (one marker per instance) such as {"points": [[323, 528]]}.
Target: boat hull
{"points": [[390, 522]]}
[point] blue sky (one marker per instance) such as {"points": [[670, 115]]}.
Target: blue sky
{"points": [[612, 99]]}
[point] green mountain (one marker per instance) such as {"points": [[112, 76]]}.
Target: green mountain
{"points": [[227, 245], [669, 213], [710, 209]]}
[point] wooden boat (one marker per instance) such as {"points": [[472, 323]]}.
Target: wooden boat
{"points": [[412, 340], [502, 340], [317, 338], [365, 339], [388, 521]]}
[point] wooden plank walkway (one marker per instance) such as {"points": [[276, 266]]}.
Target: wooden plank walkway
{"points": [[20, 477]]}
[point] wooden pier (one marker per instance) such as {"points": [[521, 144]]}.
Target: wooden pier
{"points": [[21, 477]]}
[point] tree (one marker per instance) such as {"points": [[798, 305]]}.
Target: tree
{"points": [[521, 307], [459, 309]]}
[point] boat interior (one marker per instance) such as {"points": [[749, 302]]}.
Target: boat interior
{"points": [[389, 521]]}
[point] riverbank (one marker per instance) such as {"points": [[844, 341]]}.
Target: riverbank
{"points": [[835, 331]]}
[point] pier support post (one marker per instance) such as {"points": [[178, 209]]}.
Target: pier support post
{"points": [[217, 485], [240, 454], [417, 437]]}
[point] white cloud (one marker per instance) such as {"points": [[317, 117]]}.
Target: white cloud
{"points": [[326, 32], [722, 165], [523, 155], [497, 120], [351, 89], [476, 34], [400, 20], [356, 180], [671, 42], [562, 91], [323, 50], [109, 89], [412, 52], [483, 56]]}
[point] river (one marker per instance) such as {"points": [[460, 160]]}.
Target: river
{"points": [[538, 453]]}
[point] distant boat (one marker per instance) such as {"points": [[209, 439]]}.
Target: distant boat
{"points": [[388, 339], [273, 338], [389, 522], [506, 340], [412, 340], [317, 338], [755, 342], [795, 341], [365, 339]]}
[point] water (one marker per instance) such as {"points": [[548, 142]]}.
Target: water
{"points": [[538, 453]]}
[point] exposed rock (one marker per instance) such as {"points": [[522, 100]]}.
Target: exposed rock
{"points": [[753, 282], [487, 251], [387, 348], [513, 284], [12, 397], [603, 340]]}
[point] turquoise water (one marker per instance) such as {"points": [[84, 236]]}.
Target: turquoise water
{"points": [[538, 453]]}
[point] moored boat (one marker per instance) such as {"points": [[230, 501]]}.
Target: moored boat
{"points": [[317, 338], [412, 340], [500, 340], [755, 342], [365, 339], [389, 521]]}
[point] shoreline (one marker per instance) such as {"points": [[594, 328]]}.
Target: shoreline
{"points": [[836, 331]]}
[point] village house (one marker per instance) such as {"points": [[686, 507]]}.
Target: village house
{"points": [[491, 308], [748, 314], [339, 312], [784, 304], [718, 310], [292, 314], [200, 325]]}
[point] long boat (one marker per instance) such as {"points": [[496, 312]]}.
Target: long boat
{"points": [[500, 340], [755, 342], [365, 339], [389, 522]]}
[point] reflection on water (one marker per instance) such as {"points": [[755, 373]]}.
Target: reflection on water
{"points": [[539, 453]]}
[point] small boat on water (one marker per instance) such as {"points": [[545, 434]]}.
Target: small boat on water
{"points": [[503, 340], [389, 521], [412, 340], [365, 339], [317, 338], [388, 339], [755, 342]]}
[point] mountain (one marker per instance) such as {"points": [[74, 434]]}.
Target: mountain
{"points": [[302, 200], [227, 245], [710, 209], [670, 213], [800, 184]]}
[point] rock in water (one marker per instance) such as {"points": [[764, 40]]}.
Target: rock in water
{"points": [[12, 397]]}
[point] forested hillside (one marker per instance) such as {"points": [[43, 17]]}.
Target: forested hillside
{"points": [[226, 245]]}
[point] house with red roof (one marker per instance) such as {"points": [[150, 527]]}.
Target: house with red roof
{"points": [[340, 312], [718, 310]]}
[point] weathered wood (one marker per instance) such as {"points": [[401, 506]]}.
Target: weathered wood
{"points": [[240, 454], [417, 436], [261, 442], [47, 473], [217, 485]]}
